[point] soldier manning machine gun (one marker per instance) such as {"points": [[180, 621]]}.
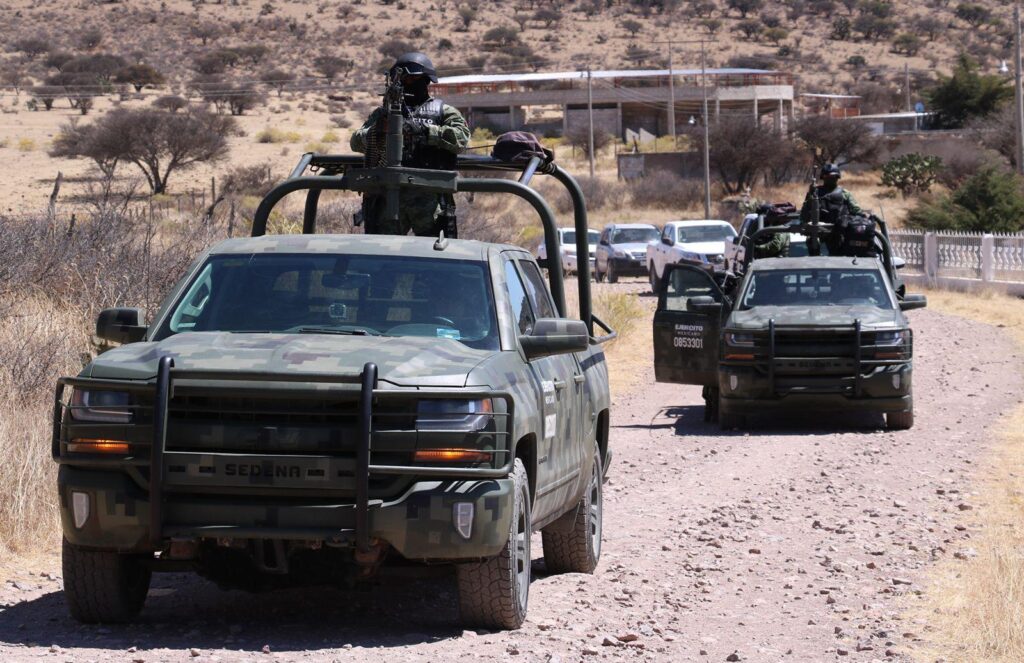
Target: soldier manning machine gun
{"points": [[386, 146]]}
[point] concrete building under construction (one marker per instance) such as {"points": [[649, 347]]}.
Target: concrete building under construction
{"points": [[622, 100]]}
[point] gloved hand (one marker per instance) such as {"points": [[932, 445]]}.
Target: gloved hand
{"points": [[417, 128]]}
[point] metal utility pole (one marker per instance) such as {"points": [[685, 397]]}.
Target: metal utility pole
{"points": [[671, 97], [906, 85], [590, 114], [1018, 115], [707, 146]]}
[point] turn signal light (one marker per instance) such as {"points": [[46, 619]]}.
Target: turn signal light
{"points": [[888, 355], [451, 456], [739, 356], [84, 445]]}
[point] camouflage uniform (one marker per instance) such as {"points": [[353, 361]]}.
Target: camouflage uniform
{"points": [[417, 211]]}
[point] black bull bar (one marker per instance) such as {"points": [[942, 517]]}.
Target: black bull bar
{"points": [[347, 173], [364, 468]]}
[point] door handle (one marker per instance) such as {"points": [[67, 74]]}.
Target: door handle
{"points": [[578, 379], [559, 384]]}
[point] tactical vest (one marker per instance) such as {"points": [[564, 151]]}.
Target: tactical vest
{"points": [[421, 155], [833, 204]]}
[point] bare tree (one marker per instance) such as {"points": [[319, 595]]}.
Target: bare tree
{"points": [[158, 143], [330, 66], [742, 151], [139, 76], [837, 141]]}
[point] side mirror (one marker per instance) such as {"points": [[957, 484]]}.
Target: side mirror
{"points": [[703, 304], [604, 242], [555, 336], [911, 302], [120, 325], [666, 240], [898, 262]]}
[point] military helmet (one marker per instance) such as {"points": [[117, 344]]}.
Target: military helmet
{"points": [[415, 64], [830, 170]]}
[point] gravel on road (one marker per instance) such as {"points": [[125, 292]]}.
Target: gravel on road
{"points": [[793, 541]]}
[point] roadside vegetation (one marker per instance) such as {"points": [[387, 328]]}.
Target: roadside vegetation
{"points": [[974, 603]]}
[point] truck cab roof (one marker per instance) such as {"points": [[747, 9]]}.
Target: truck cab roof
{"points": [[811, 262], [421, 247]]}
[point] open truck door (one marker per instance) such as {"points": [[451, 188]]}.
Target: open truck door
{"points": [[687, 327]]}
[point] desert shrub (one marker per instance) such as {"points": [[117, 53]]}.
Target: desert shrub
{"points": [[911, 173], [907, 44], [171, 103], [341, 122], [632, 26], [744, 7], [991, 200], [579, 137], [973, 14], [278, 79], [841, 28], [330, 138], [622, 311], [750, 28], [664, 190], [26, 145], [248, 180], [275, 135]]}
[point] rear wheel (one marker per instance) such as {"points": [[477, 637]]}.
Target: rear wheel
{"points": [[572, 544], [612, 276], [494, 593], [103, 587], [652, 278]]}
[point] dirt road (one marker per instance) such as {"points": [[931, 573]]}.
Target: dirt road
{"points": [[794, 542]]}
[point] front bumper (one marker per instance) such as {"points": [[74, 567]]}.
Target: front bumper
{"points": [[570, 263], [145, 501], [749, 391], [629, 266], [419, 524]]}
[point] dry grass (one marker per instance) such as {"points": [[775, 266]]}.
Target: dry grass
{"points": [[974, 608]]}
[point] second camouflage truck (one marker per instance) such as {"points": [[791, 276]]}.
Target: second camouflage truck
{"points": [[811, 334], [309, 409]]}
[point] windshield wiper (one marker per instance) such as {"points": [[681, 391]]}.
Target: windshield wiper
{"points": [[348, 331]]}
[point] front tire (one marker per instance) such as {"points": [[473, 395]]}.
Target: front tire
{"points": [[103, 587], [572, 544], [612, 276], [598, 275], [494, 593], [900, 420]]}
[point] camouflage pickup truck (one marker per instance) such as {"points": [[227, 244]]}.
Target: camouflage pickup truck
{"points": [[813, 334], [313, 408]]}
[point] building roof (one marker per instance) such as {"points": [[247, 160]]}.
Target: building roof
{"points": [[611, 73], [822, 95], [890, 116]]}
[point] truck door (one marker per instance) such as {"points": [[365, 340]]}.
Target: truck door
{"points": [[686, 333], [559, 393]]}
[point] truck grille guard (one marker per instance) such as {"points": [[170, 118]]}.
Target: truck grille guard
{"points": [[367, 380], [863, 357]]}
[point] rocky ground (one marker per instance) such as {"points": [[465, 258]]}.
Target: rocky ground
{"points": [[794, 541]]}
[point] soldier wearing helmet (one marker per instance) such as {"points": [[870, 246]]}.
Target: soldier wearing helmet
{"points": [[834, 201], [435, 133]]}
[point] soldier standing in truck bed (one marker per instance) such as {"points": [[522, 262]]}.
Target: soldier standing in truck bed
{"points": [[435, 133]]}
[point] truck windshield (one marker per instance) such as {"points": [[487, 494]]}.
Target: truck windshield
{"points": [[631, 235], [816, 287], [339, 294], [715, 233], [569, 237]]}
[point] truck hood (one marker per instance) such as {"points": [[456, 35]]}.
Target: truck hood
{"points": [[632, 247], [705, 248], [869, 316], [402, 361]]}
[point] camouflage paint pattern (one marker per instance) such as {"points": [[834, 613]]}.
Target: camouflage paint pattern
{"points": [[419, 521]]}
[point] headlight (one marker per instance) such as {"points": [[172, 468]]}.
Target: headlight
{"points": [[454, 414], [742, 339], [691, 256], [113, 407], [570, 250], [889, 338], [619, 253]]}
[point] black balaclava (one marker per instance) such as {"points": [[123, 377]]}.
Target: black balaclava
{"points": [[416, 90]]}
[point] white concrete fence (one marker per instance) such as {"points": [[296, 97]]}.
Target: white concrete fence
{"points": [[962, 261]]}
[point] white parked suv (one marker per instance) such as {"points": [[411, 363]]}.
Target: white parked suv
{"points": [[699, 243], [567, 250]]}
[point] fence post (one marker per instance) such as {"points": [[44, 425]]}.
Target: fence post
{"points": [[931, 257], [988, 258]]}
